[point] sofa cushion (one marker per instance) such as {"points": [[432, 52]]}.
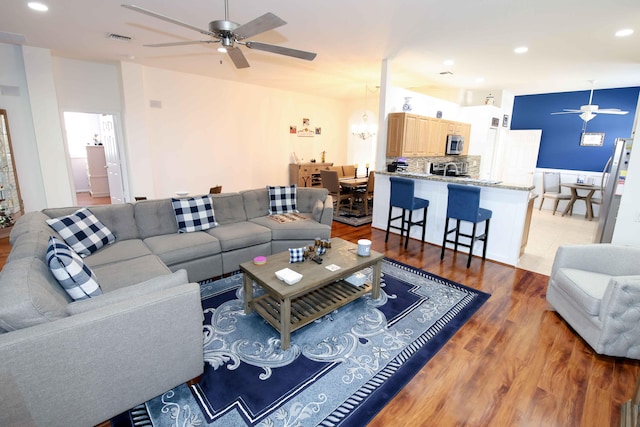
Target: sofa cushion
{"points": [[34, 244], [586, 288], [155, 218], [256, 202], [240, 235], [316, 212], [296, 230], [176, 248], [229, 208], [129, 272], [282, 199], [306, 198], [193, 214], [70, 271], [117, 217], [82, 231], [29, 295], [159, 283], [118, 251]]}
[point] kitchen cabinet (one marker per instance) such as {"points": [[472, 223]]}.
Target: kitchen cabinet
{"points": [[307, 174], [407, 135], [411, 135]]}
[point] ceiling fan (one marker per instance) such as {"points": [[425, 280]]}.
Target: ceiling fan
{"points": [[589, 111], [230, 34]]}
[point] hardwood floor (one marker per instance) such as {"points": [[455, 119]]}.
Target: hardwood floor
{"points": [[515, 363]]}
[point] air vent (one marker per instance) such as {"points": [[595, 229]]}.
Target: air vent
{"points": [[446, 73], [118, 37]]}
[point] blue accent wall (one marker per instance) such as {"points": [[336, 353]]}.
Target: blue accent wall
{"points": [[560, 145]]}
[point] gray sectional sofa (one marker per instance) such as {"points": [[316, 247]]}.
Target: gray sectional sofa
{"points": [[79, 363]]}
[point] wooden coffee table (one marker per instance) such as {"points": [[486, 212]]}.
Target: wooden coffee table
{"points": [[320, 291]]}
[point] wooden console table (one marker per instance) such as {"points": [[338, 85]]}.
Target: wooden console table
{"points": [[307, 174]]}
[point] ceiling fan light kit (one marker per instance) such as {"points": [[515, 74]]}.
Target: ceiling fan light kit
{"points": [[229, 34]]}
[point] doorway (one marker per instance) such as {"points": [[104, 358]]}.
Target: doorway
{"points": [[95, 157]]}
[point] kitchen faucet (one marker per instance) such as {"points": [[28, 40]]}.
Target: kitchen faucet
{"points": [[455, 168]]}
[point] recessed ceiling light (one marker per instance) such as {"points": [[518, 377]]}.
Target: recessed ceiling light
{"points": [[624, 33], [479, 79], [521, 49], [449, 62], [40, 7]]}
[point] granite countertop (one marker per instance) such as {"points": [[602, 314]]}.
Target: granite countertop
{"points": [[458, 180]]}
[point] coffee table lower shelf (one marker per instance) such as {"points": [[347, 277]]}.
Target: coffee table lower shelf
{"points": [[311, 306]]}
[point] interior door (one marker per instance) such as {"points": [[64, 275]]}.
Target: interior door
{"points": [[114, 170], [520, 156]]}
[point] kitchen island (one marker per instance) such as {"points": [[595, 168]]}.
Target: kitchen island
{"points": [[511, 206]]}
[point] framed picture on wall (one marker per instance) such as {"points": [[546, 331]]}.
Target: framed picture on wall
{"points": [[495, 122], [505, 121], [592, 139]]}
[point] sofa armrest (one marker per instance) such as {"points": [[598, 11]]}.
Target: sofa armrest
{"points": [[620, 317], [327, 213], [87, 368], [605, 258]]}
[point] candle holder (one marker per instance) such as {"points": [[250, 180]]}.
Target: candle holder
{"points": [[355, 174], [367, 174]]}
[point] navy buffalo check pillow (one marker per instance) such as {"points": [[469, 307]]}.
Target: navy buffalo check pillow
{"points": [[194, 214], [70, 271], [282, 199], [82, 231]]}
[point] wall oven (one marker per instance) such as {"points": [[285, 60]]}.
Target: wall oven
{"points": [[455, 144]]}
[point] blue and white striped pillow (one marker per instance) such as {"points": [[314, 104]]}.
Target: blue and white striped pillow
{"points": [[82, 231], [70, 271], [282, 199]]}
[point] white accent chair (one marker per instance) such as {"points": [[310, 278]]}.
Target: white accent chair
{"points": [[551, 189], [595, 288]]}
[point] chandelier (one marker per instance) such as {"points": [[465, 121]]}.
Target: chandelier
{"points": [[364, 130]]}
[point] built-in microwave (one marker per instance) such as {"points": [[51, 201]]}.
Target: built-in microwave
{"points": [[455, 144]]}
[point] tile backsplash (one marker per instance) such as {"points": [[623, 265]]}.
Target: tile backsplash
{"points": [[418, 164]]}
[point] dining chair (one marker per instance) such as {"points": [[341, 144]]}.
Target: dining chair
{"points": [[331, 182], [215, 190], [365, 193], [551, 189], [348, 171]]}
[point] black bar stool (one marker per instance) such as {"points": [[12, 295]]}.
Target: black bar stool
{"points": [[464, 205], [402, 196]]}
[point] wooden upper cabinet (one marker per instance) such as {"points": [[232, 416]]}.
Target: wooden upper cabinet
{"points": [[410, 135], [395, 135]]}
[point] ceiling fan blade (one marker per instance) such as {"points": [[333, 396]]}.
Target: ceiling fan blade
{"points": [[309, 56], [568, 112], [611, 111], [181, 43], [237, 57], [263, 23], [167, 19]]}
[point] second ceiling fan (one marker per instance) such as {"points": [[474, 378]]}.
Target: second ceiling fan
{"points": [[231, 34], [589, 111]]}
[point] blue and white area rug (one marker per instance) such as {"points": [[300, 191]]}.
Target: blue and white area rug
{"points": [[339, 371]]}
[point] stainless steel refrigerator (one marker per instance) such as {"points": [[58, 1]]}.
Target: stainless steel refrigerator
{"points": [[612, 186]]}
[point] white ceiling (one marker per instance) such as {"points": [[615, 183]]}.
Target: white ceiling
{"points": [[570, 41]]}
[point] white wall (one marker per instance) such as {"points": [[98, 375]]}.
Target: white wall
{"points": [[209, 132]]}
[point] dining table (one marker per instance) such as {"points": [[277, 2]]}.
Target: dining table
{"points": [[353, 183], [588, 191]]}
